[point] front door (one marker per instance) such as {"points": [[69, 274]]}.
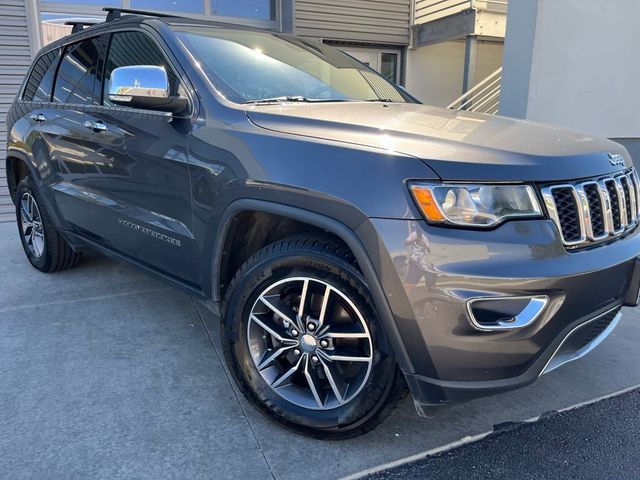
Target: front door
{"points": [[138, 171]]}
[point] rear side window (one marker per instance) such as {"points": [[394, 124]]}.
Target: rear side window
{"points": [[77, 73], [38, 87], [135, 48]]}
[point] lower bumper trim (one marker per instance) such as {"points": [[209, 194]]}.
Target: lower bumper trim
{"points": [[583, 338]]}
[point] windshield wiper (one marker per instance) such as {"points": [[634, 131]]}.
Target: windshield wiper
{"points": [[384, 100], [294, 99]]}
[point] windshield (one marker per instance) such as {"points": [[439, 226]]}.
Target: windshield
{"points": [[249, 66]]}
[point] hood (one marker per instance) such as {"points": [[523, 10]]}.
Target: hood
{"points": [[456, 145]]}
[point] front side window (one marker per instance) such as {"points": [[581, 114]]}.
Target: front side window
{"points": [[135, 48], [38, 87], [77, 73], [247, 66]]}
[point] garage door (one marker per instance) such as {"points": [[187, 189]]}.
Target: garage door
{"points": [[15, 57]]}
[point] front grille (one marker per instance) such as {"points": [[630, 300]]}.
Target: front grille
{"points": [[567, 209], [595, 207], [594, 210]]}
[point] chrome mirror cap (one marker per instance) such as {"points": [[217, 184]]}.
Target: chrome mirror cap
{"points": [[145, 87], [139, 81]]}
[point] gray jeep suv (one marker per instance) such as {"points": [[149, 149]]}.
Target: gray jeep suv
{"points": [[354, 241]]}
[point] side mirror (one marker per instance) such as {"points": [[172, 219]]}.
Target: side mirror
{"points": [[144, 86]]}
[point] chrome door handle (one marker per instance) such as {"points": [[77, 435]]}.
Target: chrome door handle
{"points": [[95, 126], [38, 117]]}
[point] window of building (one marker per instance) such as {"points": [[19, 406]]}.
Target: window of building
{"points": [[135, 48], [77, 73], [258, 9], [389, 66], [186, 6], [38, 87]]}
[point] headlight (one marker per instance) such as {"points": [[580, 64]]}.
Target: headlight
{"points": [[475, 205]]}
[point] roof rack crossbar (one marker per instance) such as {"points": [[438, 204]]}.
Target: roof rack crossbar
{"points": [[113, 13], [79, 25]]}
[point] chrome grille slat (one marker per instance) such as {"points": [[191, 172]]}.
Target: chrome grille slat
{"points": [[594, 210]]}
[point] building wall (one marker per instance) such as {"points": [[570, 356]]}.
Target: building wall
{"points": [[15, 58], [363, 21], [573, 63], [435, 72]]}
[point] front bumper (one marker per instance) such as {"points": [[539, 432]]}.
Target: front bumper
{"points": [[429, 274]]}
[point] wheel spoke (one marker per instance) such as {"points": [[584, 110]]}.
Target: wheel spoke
{"points": [[274, 355], [337, 385], [273, 330], [286, 375], [24, 211], [37, 239], [333, 357], [312, 378], [303, 297], [279, 308], [323, 309]]}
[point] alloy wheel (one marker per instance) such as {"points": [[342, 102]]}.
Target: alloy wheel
{"points": [[310, 343], [31, 223]]}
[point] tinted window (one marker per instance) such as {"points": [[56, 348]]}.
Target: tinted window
{"points": [[38, 87], [135, 48], [77, 73]]}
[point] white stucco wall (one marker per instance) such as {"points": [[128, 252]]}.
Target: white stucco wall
{"points": [[574, 63], [435, 72]]}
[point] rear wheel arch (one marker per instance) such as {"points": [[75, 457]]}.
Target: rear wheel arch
{"points": [[311, 221], [17, 169]]}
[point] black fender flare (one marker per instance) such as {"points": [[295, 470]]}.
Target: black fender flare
{"points": [[338, 229], [33, 172]]}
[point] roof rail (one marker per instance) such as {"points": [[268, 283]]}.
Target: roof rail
{"points": [[114, 13], [79, 25]]}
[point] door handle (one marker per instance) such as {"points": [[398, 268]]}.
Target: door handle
{"points": [[38, 117], [96, 126]]}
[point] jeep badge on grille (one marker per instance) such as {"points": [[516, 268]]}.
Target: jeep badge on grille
{"points": [[616, 159]]}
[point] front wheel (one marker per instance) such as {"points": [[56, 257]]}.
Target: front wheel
{"points": [[305, 343]]}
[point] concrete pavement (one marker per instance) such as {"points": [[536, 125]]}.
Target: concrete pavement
{"points": [[107, 373]]}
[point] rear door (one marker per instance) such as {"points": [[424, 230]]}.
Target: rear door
{"points": [[138, 169], [58, 107]]}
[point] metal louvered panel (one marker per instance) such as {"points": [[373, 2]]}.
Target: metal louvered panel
{"points": [[594, 210], [15, 58], [363, 21]]}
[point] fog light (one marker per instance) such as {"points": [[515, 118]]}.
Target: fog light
{"points": [[505, 313]]}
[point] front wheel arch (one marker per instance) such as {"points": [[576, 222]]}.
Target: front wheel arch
{"points": [[333, 227]]}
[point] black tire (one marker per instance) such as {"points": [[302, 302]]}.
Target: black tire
{"points": [[55, 254], [331, 263]]}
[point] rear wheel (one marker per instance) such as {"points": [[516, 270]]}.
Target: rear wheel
{"points": [[304, 342], [45, 248]]}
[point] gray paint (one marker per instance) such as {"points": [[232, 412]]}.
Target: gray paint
{"points": [[518, 57], [362, 21]]}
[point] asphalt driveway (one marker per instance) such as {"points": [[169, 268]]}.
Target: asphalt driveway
{"points": [[106, 373]]}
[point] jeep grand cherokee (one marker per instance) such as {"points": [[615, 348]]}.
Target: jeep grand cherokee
{"points": [[354, 240]]}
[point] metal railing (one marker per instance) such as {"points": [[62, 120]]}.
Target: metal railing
{"points": [[429, 10], [483, 98]]}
